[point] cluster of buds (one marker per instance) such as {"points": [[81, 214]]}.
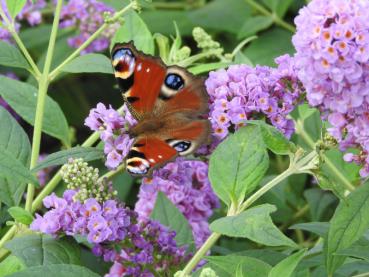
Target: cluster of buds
{"points": [[205, 42], [84, 179]]}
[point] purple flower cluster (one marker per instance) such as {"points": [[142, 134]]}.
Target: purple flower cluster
{"points": [[31, 12], [87, 16], [332, 44], [112, 127], [241, 93], [187, 186], [114, 232]]}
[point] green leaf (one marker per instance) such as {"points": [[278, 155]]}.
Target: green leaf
{"points": [[11, 56], [274, 140], [36, 250], [286, 267], [226, 266], [15, 6], [203, 68], [318, 201], [14, 140], [21, 215], [348, 224], [62, 157], [359, 249], [209, 15], [253, 25], [13, 169], [238, 164], [56, 270], [22, 98], [135, 29], [269, 45], [167, 214], [90, 63], [318, 228], [280, 7], [254, 224], [10, 265]]}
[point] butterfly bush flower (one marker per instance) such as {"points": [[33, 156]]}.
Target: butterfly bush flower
{"points": [[242, 93], [112, 127], [187, 186], [87, 16], [332, 45], [136, 247]]}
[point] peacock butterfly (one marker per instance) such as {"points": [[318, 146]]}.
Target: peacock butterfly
{"points": [[169, 104]]}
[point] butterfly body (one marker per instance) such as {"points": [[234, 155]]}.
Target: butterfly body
{"points": [[169, 104]]}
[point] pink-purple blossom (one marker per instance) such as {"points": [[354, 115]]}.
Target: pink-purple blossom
{"points": [[87, 16], [186, 184], [241, 93], [332, 45], [114, 232], [112, 127]]}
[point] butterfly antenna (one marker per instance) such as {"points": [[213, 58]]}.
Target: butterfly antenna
{"points": [[130, 108]]}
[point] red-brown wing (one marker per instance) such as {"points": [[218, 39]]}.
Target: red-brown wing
{"points": [[139, 76], [147, 153]]}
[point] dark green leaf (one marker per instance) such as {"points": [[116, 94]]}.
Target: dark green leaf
{"points": [[319, 201], [135, 29], [14, 140], [36, 250], [238, 164], [254, 224], [319, 228], [62, 157], [10, 56], [22, 98], [10, 265], [280, 7], [56, 270], [286, 267], [15, 6], [253, 25], [90, 63], [167, 214], [21, 215], [14, 170], [348, 224], [269, 45], [226, 266], [203, 68]]}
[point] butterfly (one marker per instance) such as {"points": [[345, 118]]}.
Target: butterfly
{"points": [[169, 104]]}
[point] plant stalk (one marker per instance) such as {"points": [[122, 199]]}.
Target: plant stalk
{"points": [[41, 97]]}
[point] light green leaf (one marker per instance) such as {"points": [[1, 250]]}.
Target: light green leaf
{"points": [[10, 265], [36, 250], [14, 170], [21, 215], [10, 56], [134, 29], [90, 63], [56, 270], [226, 266], [167, 214], [253, 25], [14, 140], [15, 6], [22, 98], [198, 69], [286, 267], [254, 224], [238, 164], [62, 157], [347, 225], [318, 228]]}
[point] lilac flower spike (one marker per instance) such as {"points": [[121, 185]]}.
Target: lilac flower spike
{"points": [[332, 44], [241, 93], [186, 184]]}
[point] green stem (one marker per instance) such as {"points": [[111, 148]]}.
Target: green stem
{"points": [[276, 19], [310, 142], [98, 32], [41, 97], [112, 173], [10, 27]]}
